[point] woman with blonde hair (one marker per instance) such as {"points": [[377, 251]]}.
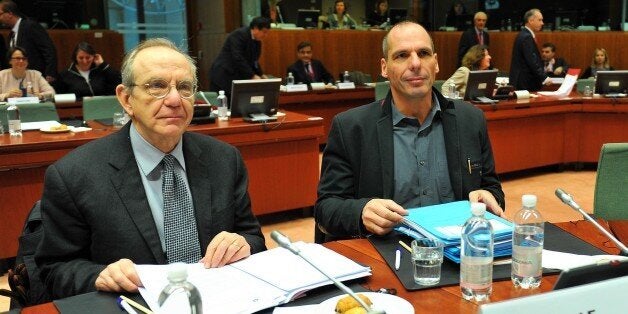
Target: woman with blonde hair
{"points": [[600, 62], [477, 58]]}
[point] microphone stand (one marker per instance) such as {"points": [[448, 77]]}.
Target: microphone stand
{"points": [[568, 199], [285, 243]]}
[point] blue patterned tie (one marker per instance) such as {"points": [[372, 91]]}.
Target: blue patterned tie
{"points": [[182, 244]]}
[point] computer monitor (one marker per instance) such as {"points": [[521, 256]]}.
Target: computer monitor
{"points": [[591, 273], [397, 15], [611, 82], [480, 84], [251, 97], [308, 18]]}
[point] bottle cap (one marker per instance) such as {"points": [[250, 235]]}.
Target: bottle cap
{"points": [[177, 272], [478, 209], [528, 200], [221, 92]]}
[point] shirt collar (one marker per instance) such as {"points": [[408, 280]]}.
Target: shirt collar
{"points": [[16, 26], [397, 116], [148, 157], [531, 31]]}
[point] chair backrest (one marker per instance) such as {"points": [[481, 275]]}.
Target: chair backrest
{"points": [[438, 84], [381, 89], [100, 107], [581, 83], [611, 185], [211, 97], [45, 111]]}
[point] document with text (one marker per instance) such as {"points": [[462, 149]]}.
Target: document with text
{"points": [[260, 281]]}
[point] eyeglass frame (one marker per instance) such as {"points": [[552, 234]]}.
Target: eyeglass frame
{"points": [[19, 58], [146, 88]]}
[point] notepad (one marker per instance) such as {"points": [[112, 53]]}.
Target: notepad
{"points": [[260, 281]]}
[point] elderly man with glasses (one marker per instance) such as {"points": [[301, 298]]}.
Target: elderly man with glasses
{"points": [[151, 193]]}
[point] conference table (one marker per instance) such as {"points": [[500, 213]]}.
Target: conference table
{"points": [[282, 159], [442, 299]]}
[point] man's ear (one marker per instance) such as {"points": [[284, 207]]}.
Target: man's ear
{"points": [[123, 95], [384, 67]]}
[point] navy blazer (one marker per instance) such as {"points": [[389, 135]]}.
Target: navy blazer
{"points": [[469, 39], [95, 210], [320, 73], [526, 65], [42, 54], [237, 60], [358, 162]]}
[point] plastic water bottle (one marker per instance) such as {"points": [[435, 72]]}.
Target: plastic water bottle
{"points": [[451, 89], [180, 296], [29, 89], [13, 120], [346, 78], [290, 79], [222, 106], [527, 245], [476, 254]]}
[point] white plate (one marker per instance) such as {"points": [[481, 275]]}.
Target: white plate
{"points": [[392, 304]]}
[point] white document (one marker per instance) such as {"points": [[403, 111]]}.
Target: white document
{"points": [[38, 125], [564, 89], [260, 281], [560, 260], [65, 98]]}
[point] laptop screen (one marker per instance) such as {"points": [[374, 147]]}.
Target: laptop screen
{"points": [[254, 97], [611, 82], [480, 84], [591, 273]]}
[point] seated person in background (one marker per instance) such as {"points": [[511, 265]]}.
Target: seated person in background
{"points": [[14, 81], [600, 62], [150, 193], [379, 15], [339, 19], [307, 70], [554, 67], [477, 58], [414, 148], [88, 74], [456, 16]]}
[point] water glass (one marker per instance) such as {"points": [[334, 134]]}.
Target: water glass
{"points": [[587, 91], [118, 119], [427, 257]]}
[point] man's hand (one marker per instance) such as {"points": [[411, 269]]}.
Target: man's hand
{"points": [[98, 60], [226, 248], [484, 196], [379, 216], [119, 277], [558, 71]]}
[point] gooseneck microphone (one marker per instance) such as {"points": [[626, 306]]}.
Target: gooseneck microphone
{"points": [[568, 199], [285, 243]]}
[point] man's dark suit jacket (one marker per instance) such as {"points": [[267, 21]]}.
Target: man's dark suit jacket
{"points": [[526, 66], [320, 73], [558, 62], [468, 39], [95, 210], [237, 60], [358, 162], [41, 51]]}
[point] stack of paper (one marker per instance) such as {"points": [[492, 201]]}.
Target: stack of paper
{"points": [[444, 223]]}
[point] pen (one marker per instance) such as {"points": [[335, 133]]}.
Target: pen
{"points": [[405, 246], [397, 259], [469, 164], [125, 306], [136, 305]]}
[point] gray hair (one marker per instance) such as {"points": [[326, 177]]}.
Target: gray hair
{"points": [[401, 24], [529, 14], [128, 77]]}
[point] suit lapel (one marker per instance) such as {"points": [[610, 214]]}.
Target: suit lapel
{"points": [[386, 147], [452, 144], [200, 186], [128, 184]]}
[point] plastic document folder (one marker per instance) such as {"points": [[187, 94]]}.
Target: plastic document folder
{"points": [[444, 223]]}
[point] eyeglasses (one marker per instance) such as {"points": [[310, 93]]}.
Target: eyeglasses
{"points": [[159, 88], [19, 58]]}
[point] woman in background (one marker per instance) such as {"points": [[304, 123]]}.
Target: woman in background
{"points": [[380, 15], [600, 62], [88, 74], [340, 18], [14, 81], [477, 58]]}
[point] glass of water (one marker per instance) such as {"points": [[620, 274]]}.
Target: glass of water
{"points": [[119, 120], [427, 257], [587, 91]]}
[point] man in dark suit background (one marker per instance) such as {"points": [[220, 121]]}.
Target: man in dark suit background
{"points": [[104, 205], [526, 66], [32, 37], [238, 58], [414, 148], [477, 35], [554, 67], [307, 70]]}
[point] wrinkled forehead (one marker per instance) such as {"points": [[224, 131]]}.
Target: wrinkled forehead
{"points": [[161, 62], [409, 37]]}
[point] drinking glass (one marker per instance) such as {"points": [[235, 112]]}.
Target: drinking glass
{"points": [[427, 257]]}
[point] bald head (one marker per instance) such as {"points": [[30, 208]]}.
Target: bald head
{"points": [[397, 28]]}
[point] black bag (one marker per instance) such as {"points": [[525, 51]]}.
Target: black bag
{"points": [[26, 287]]}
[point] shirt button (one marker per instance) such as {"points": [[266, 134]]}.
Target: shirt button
{"points": [[426, 192], [422, 163]]}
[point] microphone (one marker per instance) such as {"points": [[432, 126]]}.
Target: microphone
{"points": [[285, 243], [568, 199]]}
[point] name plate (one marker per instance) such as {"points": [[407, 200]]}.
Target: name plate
{"points": [[522, 94], [317, 85], [23, 100], [296, 88], [343, 85]]}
